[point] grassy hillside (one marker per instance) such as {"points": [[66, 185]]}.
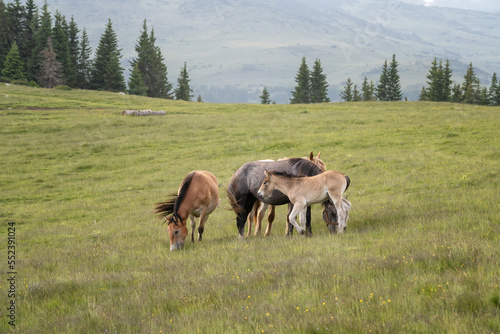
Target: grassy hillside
{"points": [[79, 180]]}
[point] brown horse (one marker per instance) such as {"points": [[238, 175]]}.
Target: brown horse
{"points": [[198, 196], [259, 209], [305, 191]]}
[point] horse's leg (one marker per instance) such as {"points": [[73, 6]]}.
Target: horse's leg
{"points": [[259, 216], [297, 207], [193, 225], [270, 219], [248, 201], [201, 225], [289, 227], [250, 220], [303, 219], [308, 220]]}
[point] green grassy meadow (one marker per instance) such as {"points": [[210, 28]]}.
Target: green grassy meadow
{"points": [[421, 253]]}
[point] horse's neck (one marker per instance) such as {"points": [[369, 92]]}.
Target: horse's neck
{"points": [[285, 184]]}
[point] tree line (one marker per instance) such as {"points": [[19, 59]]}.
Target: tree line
{"points": [[44, 50], [440, 87]]}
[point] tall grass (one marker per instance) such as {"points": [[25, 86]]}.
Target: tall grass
{"points": [[79, 179]]}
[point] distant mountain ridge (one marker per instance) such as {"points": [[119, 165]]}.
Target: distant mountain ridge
{"points": [[235, 47]]}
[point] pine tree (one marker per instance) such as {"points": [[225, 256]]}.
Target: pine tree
{"points": [[51, 71], [439, 81], [319, 85], [302, 91], [183, 91], [200, 100], [107, 74], [74, 54], [136, 84], [446, 82], [394, 87], [13, 66], [150, 63], [60, 43], [356, 97], [265, 98], [471, 89], [15, 23], [457, 95], [4, 34], [31, 25], [383, 85], [347, 94], [494, 92], [367, 90], [84, 62], [42, 36]]}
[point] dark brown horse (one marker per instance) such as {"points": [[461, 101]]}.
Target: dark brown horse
{"points": [[246, 181], [198, 196]]}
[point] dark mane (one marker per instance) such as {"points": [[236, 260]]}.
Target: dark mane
{"points": [[304, 167], [282, 173], [163, 209]]}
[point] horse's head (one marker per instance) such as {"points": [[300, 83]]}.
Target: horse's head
{"points": [[317, 161], [177, 231], [330, 215], [267, 186]]}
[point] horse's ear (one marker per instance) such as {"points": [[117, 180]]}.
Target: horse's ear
{"points": [[311, 156], [318, 156], [266, 172]]}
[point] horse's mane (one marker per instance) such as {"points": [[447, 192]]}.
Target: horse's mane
{"points": [[304, 166], [163, 209]]}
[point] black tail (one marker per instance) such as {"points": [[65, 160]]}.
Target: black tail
{"points": [[348, 182]]}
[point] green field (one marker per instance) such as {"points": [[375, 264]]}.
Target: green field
{"points": [[79, 181]]}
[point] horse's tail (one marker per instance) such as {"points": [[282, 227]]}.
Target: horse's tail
{"points": [[234, 202], [163, 209], [348, 180]]}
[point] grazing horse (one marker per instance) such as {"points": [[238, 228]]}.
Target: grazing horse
{"points": [[245, 183], [198, 196], [259, 209], [305, 191]]}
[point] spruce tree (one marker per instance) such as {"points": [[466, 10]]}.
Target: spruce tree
{"points": [[51, 71], [265, 98], [356, 97], [183, 91], [319, 85], [394, 86], [13, 67], [457, 95], [4, 34], [494, 91], [383, 85], [84, 62], [302, 91], [136, 84], [42, 36], [60, 44], [107, 73], [74, 54], [31, 25], [446, 82], [150, 63], [367, 90], [347, 94], [471, 89]]}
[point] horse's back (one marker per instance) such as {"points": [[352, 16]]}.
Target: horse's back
{"points": [[207, 188]]}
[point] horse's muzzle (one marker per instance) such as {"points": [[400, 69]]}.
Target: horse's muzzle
{"points": [[176, 246]]}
